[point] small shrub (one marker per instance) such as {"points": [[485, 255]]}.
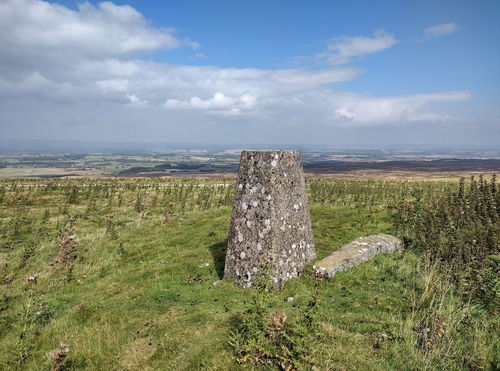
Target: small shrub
{"points": [[120, 250], [168, 213], [68, 248], [110, 227], [272, 339], [73, 196]]}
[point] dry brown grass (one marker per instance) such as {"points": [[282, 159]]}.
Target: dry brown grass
{"points": [[58, 357], [136, 353], [67, 251]]}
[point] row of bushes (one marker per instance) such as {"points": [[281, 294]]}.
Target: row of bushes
{"points": [[460, 231]]}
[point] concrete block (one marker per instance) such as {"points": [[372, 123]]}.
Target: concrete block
{"points": [[270, 223]]}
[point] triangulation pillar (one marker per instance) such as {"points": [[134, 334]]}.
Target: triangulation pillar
{"points": [[270, 223]]}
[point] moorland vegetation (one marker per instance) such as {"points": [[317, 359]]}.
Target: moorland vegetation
{"points": [[127, 274]]}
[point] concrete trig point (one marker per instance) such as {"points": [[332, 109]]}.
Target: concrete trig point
{"points": [[270, 222]]}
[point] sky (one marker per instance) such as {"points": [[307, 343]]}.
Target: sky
{"points": [[365, 73]]}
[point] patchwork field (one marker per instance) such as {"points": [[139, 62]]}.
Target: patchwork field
{"points": [[216, 163]]}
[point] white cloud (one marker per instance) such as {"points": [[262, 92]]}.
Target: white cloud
{"points": [[219, 102], [135, 100], [361, 110], [346, 49], [317, 77], [76, 68], [45, 32], [35, 86], [113, 84], [439, 30]]}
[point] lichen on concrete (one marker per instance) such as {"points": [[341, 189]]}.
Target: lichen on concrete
{"points": [[357, 251], [270, 224]]}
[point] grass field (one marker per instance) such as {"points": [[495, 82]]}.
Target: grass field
{"points": [[128, 274]]}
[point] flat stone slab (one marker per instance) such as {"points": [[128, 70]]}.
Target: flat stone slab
{"points": [[357, 251]]}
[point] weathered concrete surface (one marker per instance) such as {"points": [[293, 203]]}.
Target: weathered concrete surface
{"points": [[357, 251], [270, 223]]}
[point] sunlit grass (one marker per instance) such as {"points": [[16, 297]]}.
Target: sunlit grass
{"points": [[145, 299]]}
